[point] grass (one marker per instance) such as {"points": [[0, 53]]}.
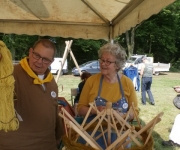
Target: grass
{"points": [[163, 94]]}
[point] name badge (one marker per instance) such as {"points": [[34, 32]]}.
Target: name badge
{"points": [[53, 94]]}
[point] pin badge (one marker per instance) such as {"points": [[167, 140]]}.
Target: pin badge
{"points": [[125, 105], [53, 94]]}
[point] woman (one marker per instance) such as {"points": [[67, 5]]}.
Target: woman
{"points": [[84, 76], [108, 83], [147, 71]]}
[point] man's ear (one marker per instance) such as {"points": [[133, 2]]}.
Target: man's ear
{"points": [[30, 50]]}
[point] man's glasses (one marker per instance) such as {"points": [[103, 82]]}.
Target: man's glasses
{"points": [[37, 57], [106, 62]]}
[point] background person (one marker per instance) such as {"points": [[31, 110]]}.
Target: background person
{"points": [[147, 70], [174, 137], [36, 92], [84, 76]]}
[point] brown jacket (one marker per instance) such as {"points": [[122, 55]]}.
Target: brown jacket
{"points": [[41, 125]]}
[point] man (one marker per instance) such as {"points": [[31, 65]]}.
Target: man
{"points": [[174, 137], [146, 72], [40, 127]]}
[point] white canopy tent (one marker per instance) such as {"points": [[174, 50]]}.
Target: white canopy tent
{"points": [[87, 19]]}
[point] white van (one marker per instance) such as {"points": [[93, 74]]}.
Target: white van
{"points": [[55, 66], [135, 60]]}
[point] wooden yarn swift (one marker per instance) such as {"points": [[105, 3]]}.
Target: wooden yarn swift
{"points": [[107, 122]]}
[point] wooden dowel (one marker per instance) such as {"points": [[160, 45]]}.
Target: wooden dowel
{"points": [[114, 123], [99, 123], [136, 116], [78, 128], [108, 109], [68, 46], [92, 121], [86, 117], [119, 140], [91, 143]]}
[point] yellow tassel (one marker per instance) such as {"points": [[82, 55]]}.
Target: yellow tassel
{"points": [[8, 120]]}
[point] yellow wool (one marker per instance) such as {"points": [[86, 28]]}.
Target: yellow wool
{"points": [[8, 120]]}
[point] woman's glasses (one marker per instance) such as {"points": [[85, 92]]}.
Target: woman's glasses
{"points": [[106, 62], [37, 57]]}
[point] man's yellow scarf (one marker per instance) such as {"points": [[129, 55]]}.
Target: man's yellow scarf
{"points": [[37, 80]]}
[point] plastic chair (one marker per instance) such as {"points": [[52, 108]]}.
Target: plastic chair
{"points": [[74, 92]]}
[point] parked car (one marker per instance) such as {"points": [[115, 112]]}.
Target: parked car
{"points": [[90, 66]]}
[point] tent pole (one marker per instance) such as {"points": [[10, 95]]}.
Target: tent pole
{"points": [[68, 45], [111, 40], [75, 62]]}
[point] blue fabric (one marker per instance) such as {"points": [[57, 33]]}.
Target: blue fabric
{"points": [[132, 73], [120, 105], [60, 102]]}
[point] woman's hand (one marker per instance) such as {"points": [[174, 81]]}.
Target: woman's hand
{"points": [[99, 108]]}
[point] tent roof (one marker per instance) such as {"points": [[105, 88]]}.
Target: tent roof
{"points": [[87, 19]]}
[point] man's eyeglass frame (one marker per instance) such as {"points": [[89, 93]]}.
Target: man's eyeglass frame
{"points": [[37, 57]]}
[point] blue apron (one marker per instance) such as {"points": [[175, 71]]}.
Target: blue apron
{"points": [[121, 105]]}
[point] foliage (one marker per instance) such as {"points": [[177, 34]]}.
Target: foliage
{"points": [[86, 50], [176, 66], [158, 36], [19, 44]]}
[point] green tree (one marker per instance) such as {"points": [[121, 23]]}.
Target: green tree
{"points": [[85, 50], [155, 36], [19, 44]]}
